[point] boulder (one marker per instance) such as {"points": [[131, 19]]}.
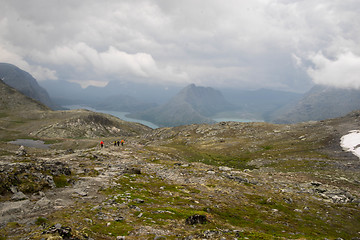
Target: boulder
{"points": [[196, 219], [18, 196], [21, 151]]}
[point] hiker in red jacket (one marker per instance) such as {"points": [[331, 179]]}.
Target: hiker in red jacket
{"points": [[102, 144]]}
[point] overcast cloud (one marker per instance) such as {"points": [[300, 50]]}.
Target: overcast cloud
{"points": [[282, 44]]}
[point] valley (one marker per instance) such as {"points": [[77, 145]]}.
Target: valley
{"points": [[215, 180], [227, 180]]}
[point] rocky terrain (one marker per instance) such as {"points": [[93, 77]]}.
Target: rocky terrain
{"points": [[208, 181]]}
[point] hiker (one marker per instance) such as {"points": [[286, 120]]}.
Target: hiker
{"points": [[118, 143], [122, 142], [102, 144], [114, 143]]}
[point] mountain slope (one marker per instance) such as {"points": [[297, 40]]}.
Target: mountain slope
{"points": [[191, 105], [205, 100], [24, 83], [321, 102], [23, 117], [122, 103], [11, 100]]}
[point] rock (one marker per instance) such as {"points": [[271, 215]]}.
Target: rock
{"points": [[64, 232], [81, 193], [288, 200], [211, 234], [21, 151], [224, 168], [43, 203], [132, 170], [316, 184], [118, 219], [159, 238], [138, 200], [18, 196], [13, 189], [69, 151], [88, 220], [196, 219]]}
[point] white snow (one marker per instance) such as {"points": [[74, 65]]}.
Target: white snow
{"points": [[351, 142]]}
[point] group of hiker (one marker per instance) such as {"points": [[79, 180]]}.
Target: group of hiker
{"points": [[116, 143]]}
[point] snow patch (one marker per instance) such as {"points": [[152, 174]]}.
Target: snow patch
{"points": [[351, 142]]}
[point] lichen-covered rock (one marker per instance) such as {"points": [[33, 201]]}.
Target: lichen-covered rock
{"points": [[196, 219]]}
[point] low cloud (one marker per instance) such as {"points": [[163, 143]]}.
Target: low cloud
{"points": [[111, 63], [233, 44], [342, 72], [38, 72]]}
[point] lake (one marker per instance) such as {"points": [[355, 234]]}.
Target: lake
{"points": [[122, 115], [235, 120], [31, 143]]}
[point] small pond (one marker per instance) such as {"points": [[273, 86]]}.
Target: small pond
{"points": [[31, 143]]}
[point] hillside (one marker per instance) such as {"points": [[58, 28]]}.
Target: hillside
{"points": [[122, 103], [192, 105], [11, 100], [321, 102], [260, 103], [25, 83], [23, 117]]}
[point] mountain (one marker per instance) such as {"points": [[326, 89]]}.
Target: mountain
{"points": [[122, 103], [22, 116], [12, 100], [260, 103], [25, 83], [191, 105], [66, 93], [321, 102]]}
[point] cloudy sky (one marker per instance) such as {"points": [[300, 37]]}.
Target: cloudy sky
{"points": [[281, 44]]}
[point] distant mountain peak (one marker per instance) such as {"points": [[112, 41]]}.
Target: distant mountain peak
{"points": [[192, 104], [319, 103]]}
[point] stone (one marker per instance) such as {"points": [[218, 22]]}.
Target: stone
{"points": [[138, 200], [224, 168], [132, 170], [118, 219], [64, 232], [316, 184], [21, 151], [18, 196], [81, 193], [43, 203], [69, 151], [159, 238], [13, 189], [196, 219]]}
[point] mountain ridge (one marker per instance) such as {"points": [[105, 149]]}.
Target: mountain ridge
{"points": [[319, 103], [192, 105], [25, 83]]}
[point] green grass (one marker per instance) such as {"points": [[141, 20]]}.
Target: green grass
{"points": [[236, 159], [61, 181]]}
